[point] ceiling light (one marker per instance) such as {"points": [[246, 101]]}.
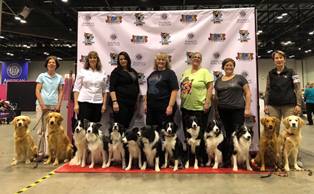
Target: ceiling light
{"points": [[46, 53], [27, 59], [23, 21], [55, 39], [311, 33], [2, 37], [59, 58], [279, 17], [308, 51], [64, 1], [10, 54], [291, 56], [269, 51], [259, 32], [299, 48], [284, 14], [17, 18]]}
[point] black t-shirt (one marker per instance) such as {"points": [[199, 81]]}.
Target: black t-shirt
{"points": [[230, 93], [125, 84], [160, 84]]}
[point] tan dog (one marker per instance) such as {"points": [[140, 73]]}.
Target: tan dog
{"points": [[25, 148], [290, 140], [59, 146], [268, 143]]}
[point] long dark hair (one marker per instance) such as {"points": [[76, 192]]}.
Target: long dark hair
{"points": [[87, 65], [127, 57]]}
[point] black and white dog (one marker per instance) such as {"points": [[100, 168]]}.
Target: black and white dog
{"points": [[116, 149], [172, 146], [151, 145], [79, 136], [213, 136], [132, 139], [97, 143], [241, 142], [193, 141]]}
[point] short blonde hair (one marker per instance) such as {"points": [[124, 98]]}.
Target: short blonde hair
{"points": [[197, 53], [278, 52], [162, 56]]}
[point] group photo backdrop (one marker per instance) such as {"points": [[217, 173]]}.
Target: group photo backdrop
{"points": [[217, 34]]}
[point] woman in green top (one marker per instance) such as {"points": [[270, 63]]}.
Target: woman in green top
{"points": [[196, 91]]}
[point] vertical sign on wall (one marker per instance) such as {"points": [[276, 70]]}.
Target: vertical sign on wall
{"points": [[14, 71], [217, 34]]}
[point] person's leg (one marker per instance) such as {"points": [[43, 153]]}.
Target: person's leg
{"points": [[94, 112], [309, 112], [275, 111], [226, 117]]}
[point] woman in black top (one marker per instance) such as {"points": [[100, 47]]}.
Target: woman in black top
{"points": [[234, 102], [162, 89], [124, 90]]}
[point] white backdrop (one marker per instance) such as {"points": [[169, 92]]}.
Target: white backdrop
{"points": [[217, 34]]}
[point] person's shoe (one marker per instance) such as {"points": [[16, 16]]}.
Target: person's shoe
{"points": [[300, 163], [309, 123]]}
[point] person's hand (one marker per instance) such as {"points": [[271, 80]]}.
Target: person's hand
{"points": [[43, 107], [297, 110], [266, 109], [145, 107], [247, 113], [58, 108], [103, 108], [76, 108], [169, 110], [206, 107], [115, 106]]}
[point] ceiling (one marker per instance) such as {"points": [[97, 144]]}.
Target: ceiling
{"points": [[51, 24]]}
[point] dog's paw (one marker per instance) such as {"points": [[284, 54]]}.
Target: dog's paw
{"points": [[235, 168], [195, 166], [104, 166], [157, 169], [215, 166], [297, 167], [187, 165], [128, 168], [14, 163], [47, 162], [164, 166], [287, 168], [249, 168], [262, 168], [56, 163], [91, 166]]}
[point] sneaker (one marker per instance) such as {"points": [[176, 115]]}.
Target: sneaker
{"points": [[300, 163]]}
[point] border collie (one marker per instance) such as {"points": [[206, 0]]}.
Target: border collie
{"points": [[116, 149], [172, 145], [193, 141], [213, 136], [80, 142], [96, 143], [131, 138], [152, 147], [241, 142]]}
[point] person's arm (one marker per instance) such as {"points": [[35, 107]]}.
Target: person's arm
{"points": [[112, 89], [298, 94], [247, 95], [38, 96], [104, 102], [76, 91], [145, 103], [266, 96], [172, 101], [115, 104], [209, 95], [60, 97]]}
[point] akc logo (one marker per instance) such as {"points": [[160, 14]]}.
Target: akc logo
{"points": [[89, 38], [244, 56], [165, 38], [217, 17], [217, 37], [164, 16], [139, 39], [139, 17], [113, 59], [244, 35], [14, 70], [114, 19], [188, 60], [83, 58], [188, 18]]}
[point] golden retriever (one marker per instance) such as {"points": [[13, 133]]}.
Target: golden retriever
{"points": [[268, 143], [25, 148], [59, 146], [290, 140]]}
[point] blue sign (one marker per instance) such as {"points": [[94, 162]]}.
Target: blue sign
{"points": [[12, 71]]}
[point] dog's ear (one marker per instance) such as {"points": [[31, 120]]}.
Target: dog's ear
{"points": [[286, 122], [263, 120], [135, 129], [60, 118], [301, 122], [85, 123], [14, 121], [97, 125], [28, 120], [47, 117]]}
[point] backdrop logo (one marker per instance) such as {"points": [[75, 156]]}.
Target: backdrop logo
{"points": [[87, 17], [215, 60], [217, 17], [165, 38], [113, 42], [190, 39], [14, 70], [83, 58], [141, 78], [242, 13], [188, 18], [164, 16], [89, 38], [113, 36], [138, 57], [243, 17], [113, 59], [244, 35], [138, 60], [188, 57], [139, 19], [217, 37], [114, 19], [87, 20], [139, 39], [245, 56]]}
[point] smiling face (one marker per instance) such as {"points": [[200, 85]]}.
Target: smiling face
{"points": [[196, 60], [161, 63], [123, 61], [51, 65], [92, 60], [229, 68]]}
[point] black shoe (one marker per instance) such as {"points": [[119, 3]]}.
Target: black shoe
{"points": [[309, 123]]}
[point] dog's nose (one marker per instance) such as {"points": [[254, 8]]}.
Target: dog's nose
{"points": [[294, 124], [51, 123], [19, 124]]}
